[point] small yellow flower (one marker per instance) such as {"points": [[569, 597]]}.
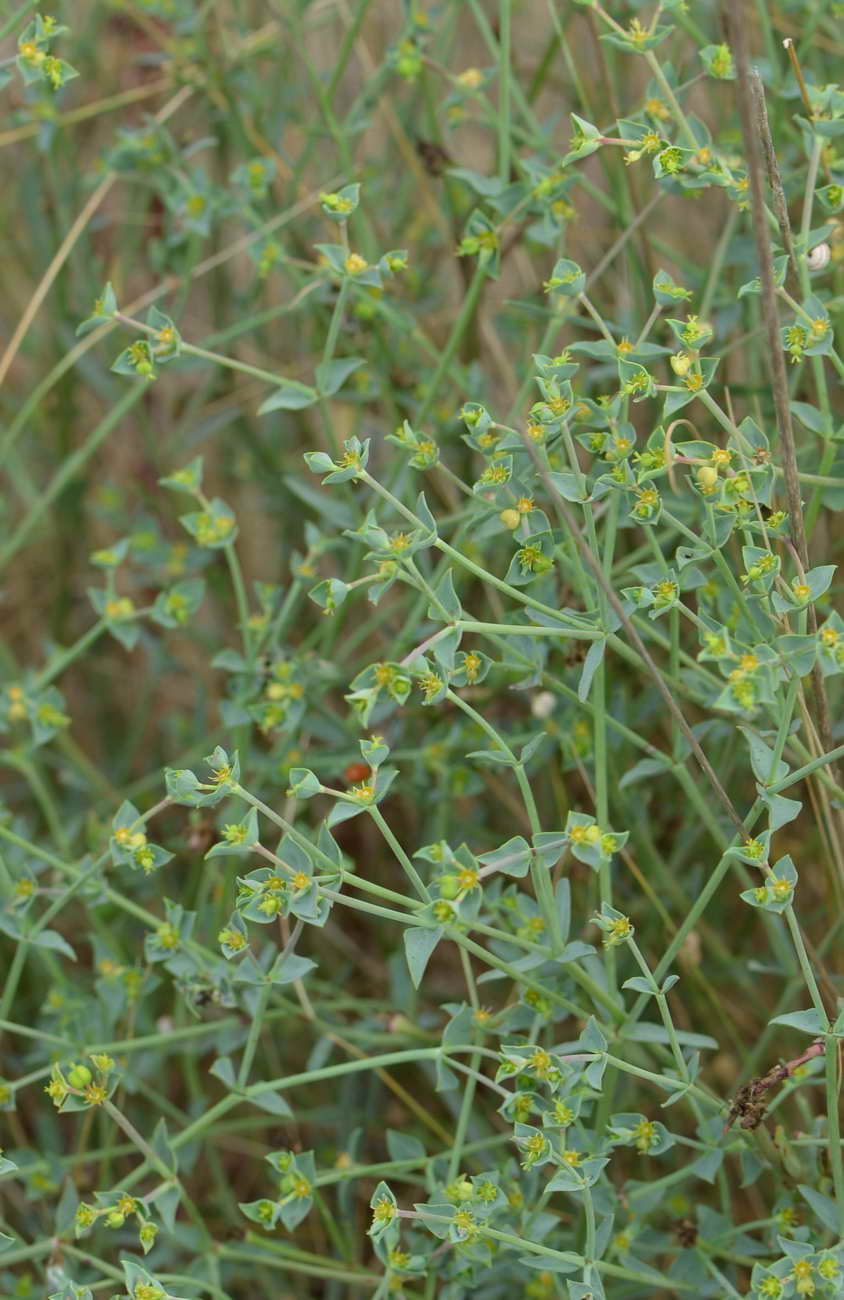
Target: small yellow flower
{"points": [[495, 475], [57, 1090], [85, 1215], [336, 203], [803, 1277], [232, 939], [471, 78], [563, 1114], [535, 1147], [531, 559], [472, 666], [540, 1063], [147, 1291], [354, 264], [430, 684], [383, 1211], [466, 1222], [129, 839], [619, 930], [17, 703], [29, 51], [121, 607], [645, 1134], [167, 935]]}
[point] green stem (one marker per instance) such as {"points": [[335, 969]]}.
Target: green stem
{"points": [[833, 1090], [504, 132], [406, 864], [241, 600], [254, 1034]]}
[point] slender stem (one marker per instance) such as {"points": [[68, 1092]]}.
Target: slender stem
{"points": [[241, 600], [406, 864], [833, 1102], [805, 965], [504, 75], [254, 1034]]}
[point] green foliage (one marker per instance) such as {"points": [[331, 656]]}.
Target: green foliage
{"points": [[421, 854]]}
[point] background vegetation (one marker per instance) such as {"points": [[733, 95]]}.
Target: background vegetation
{"points": [[375, 991]]}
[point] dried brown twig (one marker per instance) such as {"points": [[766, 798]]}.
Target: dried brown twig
{"points": [[751, 1100]]}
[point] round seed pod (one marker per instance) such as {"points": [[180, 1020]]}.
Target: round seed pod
{"points": [[819, 257]]}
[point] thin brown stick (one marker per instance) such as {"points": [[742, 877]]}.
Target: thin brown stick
{"points": [[763, 129], [734, 21], [788, 45]]}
